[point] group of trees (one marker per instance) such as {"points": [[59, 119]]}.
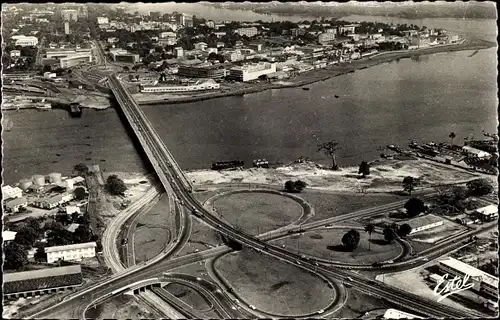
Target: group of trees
{"points": [[295, 186], [115, 185]]}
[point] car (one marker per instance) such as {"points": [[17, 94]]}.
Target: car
{"points": [[371, 282], [321, 311], [297, 261], [316, 264], [425, 259], [349, 279], [283, 246], [252, 307]]}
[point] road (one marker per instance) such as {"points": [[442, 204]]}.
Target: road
{"points": [[171, 176]]}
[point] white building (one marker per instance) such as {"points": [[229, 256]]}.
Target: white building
{"points": [[234, 55], [15, 53], [8, 192], [249, 32], [424, 223], [72, 209], [52, 202], [102, 20], [210, 24], [482, 281], [199, 85], [179, 52], [473, 152], [15, 204], [74, 60], [66, 27], [488, 213], [27, 41], [252, 71], [8, 236], [326, 37], [168, 34], [72, 252], [397, 314], [200, 46], [69, 15]]}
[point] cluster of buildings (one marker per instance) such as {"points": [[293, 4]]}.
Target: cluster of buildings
{"points": [[40, 189], [68, 57]]}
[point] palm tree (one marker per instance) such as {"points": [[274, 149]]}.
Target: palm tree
{"points": [[330, 148], [452, 136], [369, 228]]}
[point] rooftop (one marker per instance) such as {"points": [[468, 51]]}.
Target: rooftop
{"points": [[488, 210], [470, 270], [423, 221], [16, 201], [8, 235], [71, 247], [41, 273], [396, 314]]}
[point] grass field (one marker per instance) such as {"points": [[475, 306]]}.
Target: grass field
{"points": [[273, 286], [327, 244], [256, 213], [327, 205], [189, 296], [358, 303], [153, 231], [449, 228]]}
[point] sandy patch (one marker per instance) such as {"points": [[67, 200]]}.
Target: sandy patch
{"points": [[385, 176]]}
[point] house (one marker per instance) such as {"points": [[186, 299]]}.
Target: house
{"points": [[16, 204], [72, 252], [200, 46], [9, 192], [15, 53], [42, 281], [54, 201], [487, 213], [72, 209], [424, 223], [8, 236]]}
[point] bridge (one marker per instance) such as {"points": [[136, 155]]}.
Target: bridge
{"points": [[174, 180]]}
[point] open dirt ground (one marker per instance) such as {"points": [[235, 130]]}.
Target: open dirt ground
{"points": [[189, 296], [257, 213], [122, 307], [153, 231], [273, 286], [327, 244]]}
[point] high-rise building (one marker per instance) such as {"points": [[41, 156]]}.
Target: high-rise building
{"points": [[69, 15], [210, 24], [186, 20], [66, 27], [249, 32], [155, 15]]}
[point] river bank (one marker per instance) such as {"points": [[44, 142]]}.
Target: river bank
{"points": [[321, 75]]}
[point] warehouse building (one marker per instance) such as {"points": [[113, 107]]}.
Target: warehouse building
{"points": [[16, 204], [488, 213], [483, 282], [40, 282], [252, 71], [75, 60], [397, 314], [9, 192], [422, 223], [207, 72]]}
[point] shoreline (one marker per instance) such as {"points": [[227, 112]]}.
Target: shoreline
{"points": [[331, 72]]}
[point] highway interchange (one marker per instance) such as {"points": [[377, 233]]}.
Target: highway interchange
{"points": [[178, 187]]}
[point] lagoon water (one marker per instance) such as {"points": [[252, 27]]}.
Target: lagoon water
{"points": [[423, 99]]}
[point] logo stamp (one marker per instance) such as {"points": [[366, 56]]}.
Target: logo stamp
{"points": [[445, 287]]}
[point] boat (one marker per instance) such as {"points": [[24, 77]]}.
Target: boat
{"points": [[394, 148], [336, 96], [305, 89]]}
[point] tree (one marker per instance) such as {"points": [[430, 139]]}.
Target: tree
{"points": [[404, 230], [82, 234], [350, 240], [34, 224], [299, 185], [40, 254], [81, 168], [115, 185], [80, 193], [59, 238], [289, 186], [15, 257], [26, 236], [364, 168], [452, 136], [409, 184], [479, 187], [330, 148], [414, 207], [369, 228], [389, 235]]}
